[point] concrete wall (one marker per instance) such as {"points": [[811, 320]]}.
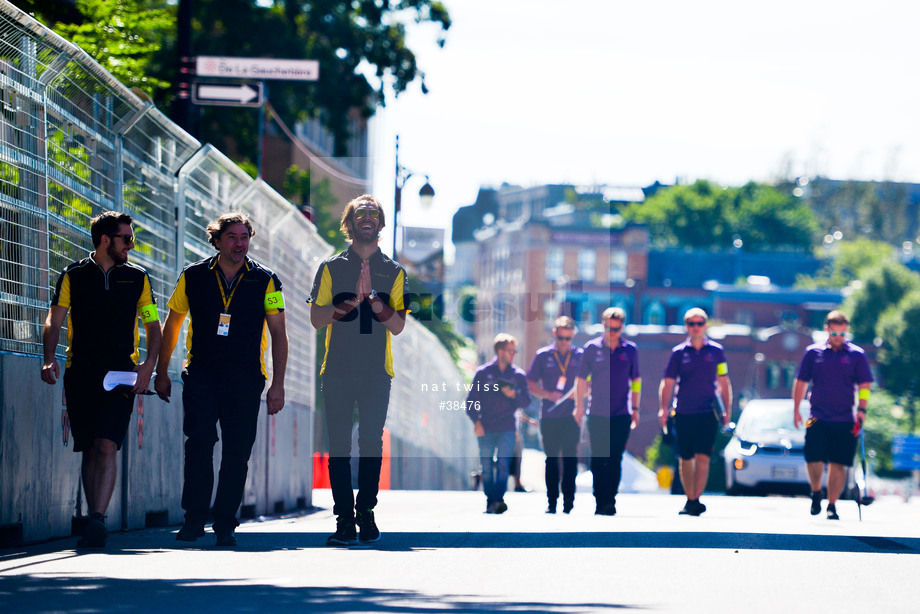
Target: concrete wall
{"points": [[39, 477]]}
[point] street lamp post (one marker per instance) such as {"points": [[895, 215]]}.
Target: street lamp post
{"points": [[426, 194]]}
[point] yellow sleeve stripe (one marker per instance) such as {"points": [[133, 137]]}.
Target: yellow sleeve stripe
{"points": [[324, 295], [178, 302], [64, 298], [397, 300], [274, 301], [722, 369], [864, 394], [636, 386]]}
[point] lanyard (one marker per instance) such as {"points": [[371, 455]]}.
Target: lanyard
{"points": [[559, 362], [223, 295]]}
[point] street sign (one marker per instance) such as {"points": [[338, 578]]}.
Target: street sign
{"points": [[256, 68], [905, 452], [231, 95]]}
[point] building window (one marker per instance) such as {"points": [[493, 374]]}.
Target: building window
{"points": [[555, 259], [587, 265], [617, 267]]}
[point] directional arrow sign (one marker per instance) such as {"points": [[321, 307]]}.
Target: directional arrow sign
{"points": [[235, 95]]}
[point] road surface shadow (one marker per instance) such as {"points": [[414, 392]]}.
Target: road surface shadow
{"points": [[39, 594]]}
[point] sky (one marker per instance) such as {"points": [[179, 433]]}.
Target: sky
{"points": [[625, 93]]}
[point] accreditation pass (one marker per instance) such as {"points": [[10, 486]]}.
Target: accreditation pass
{"points": [[223, 325]]}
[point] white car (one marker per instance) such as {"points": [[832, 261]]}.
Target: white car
{"points": [[766, 453]]}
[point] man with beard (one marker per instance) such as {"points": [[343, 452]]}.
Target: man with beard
{"points": [[836, 369], [358, 296], [101, 297], [231, 300]]}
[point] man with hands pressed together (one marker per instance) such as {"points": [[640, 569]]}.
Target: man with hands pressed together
{"points": [[358, 296], [836, 369], [231, 300]]}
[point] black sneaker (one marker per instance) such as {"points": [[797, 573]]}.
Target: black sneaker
{"points": [[698, 508], [567, 507], [551, 508], [610, 509], [369, 531], [345, 533], [815, 503], [190, 531], [687, 509], [500, 507], [225, 538], [95, 533], [832, 512]]}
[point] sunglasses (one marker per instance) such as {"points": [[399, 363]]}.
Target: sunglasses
{"points": [[126, 238], [371, 213], [833, 334], [615, 329], [697, 323], [564, 338], [512, 352]]}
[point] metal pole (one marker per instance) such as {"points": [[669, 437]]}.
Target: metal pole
{"points": [[261, 145], [397, 200]]}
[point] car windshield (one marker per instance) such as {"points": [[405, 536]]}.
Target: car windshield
{"points": [[764, 417]]}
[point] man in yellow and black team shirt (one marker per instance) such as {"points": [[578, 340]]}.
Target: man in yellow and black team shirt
{"points": [[231, 300], [101, 297], [359, 296]]}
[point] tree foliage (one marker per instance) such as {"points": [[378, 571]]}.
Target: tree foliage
{"points": [[705, 215], [881, 288], [845, 262], [122, 35], [900, 353], [360, 46]]}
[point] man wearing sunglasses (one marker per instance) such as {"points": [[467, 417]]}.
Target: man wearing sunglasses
{"points": [[836, 369], [609, 373], [552, 377], [698, 369], [101, 297], [358, 296]]}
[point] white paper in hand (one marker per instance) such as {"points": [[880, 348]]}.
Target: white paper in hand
{"points": [[119, 378]]}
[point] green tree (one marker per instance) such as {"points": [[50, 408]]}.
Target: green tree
{"points": [[881, 287], [122, 35], [845, 261], [705, 215], [900, 353]]}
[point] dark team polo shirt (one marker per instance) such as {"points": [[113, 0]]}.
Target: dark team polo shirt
{"points": [[253, 294], [834, 377], [610, 373], [554, 372], [486, 402], [696, 372], [359, 342], [102, 312]]}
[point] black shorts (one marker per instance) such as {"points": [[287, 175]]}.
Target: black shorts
{"points": [[830, 442], [95, 413], [696, 434]]}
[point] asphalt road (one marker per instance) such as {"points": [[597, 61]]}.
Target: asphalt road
{"points": [[439, 553]]}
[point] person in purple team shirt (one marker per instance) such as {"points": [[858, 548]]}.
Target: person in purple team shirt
{"points": [[499, 389], [836, 369], [552, 378], [610, 373], [698, 369]]}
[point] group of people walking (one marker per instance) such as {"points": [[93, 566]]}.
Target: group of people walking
{"points": [[694, 399], [234, 304]]}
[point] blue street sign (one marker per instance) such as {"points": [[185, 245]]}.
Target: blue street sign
{"points": [[905, 450]]}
